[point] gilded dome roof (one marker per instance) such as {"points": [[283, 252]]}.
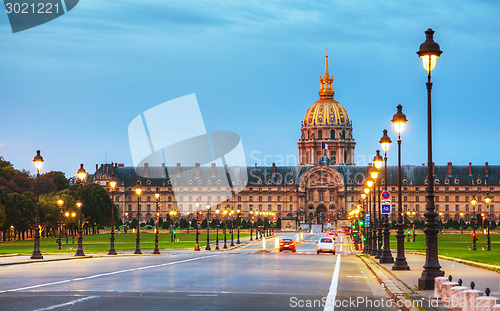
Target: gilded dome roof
{"points": [[326, 111]]}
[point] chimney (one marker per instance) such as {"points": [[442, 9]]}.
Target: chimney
{"points": [[116, 165], [433, 168], [178, 170], [486, 169], [213, 170], [197, 170], [96, 167], [163, 170], [450, 169], [112, 173], [470, 168], [274, 168], [146, 166]]}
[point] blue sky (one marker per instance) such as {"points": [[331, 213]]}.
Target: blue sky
{"points": [[70, 87]]}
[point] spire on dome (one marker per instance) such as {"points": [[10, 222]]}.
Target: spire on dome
{"points": [[326, 89]]}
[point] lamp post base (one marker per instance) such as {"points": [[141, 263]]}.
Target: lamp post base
{"points": [[426, 281], [386, 257], [36, 255]]}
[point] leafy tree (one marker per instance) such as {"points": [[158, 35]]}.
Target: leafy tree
{"points": [[133, 224], [204, 224], [59, 179], [193, 223]]}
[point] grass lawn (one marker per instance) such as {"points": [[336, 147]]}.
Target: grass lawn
{"points": [[457, 245], [124, 241]]}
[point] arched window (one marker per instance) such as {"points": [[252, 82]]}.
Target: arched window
{"points": [[260, 199], [169, 199], [239, 199], [148, 199], [332, 134], [269, 198], [343, 134], [320, 134], [279, 198]]}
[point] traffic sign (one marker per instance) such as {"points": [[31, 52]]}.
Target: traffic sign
{"points": [[386, 195], [386, 207], [367, 219]]}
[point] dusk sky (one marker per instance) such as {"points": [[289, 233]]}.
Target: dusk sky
{"points": [[71, 87]]}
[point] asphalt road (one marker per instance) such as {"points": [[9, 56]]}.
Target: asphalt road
{"points": [[235, 280]]}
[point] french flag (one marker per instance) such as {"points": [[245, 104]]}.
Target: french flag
{"points": [[325, 146]]}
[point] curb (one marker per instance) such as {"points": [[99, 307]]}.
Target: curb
{"points": [[390, 287], [481, 265], [43, 260]]}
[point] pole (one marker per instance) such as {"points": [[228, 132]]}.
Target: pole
{"points": [[208, 231], [138, 235], [60, 229], [197, 245], [217, 234], [36, 250], [432, 268], [400, 263], [157, 250], [474, 248], [379, 222], [79, 251], [225, 238], [112, 250], [374, 230]]}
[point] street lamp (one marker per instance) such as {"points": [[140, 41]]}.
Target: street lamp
{"points": [[197, 244], [138, 191], [232, 226], [366, 190], [373, 230], [207, 248], [38, 160], [399, 120], [251, 226], [112, 184], [157, 197], [473, 202], [224, 228], [461, 223], [377, 163], [429, 52], [239, 225], [368, 228], [60, 203], [217, 211], [487, 200], [82, 175]]}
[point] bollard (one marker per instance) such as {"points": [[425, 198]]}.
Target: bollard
{"points": [[486, 303], [438, 281], [456, 300], [469, 298], [446, 291], [496, 307]]}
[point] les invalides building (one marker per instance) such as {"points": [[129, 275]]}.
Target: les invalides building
{"points": [[324, 187]]}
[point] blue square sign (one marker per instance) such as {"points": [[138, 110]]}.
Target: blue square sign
{"points": [[367, 219], [386, 208]]}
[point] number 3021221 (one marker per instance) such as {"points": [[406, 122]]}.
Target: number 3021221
{"points": [[31, 8]]}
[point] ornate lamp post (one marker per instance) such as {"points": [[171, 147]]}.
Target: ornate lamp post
{"points": [[82, 175], [373, 230], [157, 197], [38, 160], [239, 225], [217, 211], [209, 209], [197, 244], [138, 191], [224, 228], [386, 257], [473, 202], [461, 223], [377, 162], [376, 203], [368, 227], [429, 52], [363, 197], [112, 184], [232, 226], [399, 120], [60, 203], [487, 200]]}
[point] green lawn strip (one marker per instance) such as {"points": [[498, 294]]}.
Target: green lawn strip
{"points": [[457, 246], [100, 243]]}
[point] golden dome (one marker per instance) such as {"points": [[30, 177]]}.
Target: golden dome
{"points": [[326, 111]]}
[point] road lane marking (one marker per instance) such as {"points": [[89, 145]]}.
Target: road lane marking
{"points": [[332, 294], [69, 303], [106, 274]]}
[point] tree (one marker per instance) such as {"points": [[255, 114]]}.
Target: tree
{"points": [[59, 179]]}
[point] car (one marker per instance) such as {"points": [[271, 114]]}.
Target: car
{"points": [[287, 244], [325, 245], [332, 234]]}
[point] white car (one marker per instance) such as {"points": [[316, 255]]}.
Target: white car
{"points": [[325, 245]]}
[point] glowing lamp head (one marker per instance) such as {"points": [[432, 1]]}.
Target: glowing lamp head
{"points": [[363, 195], [197, 204], [238, 211], [208, 206], [366, 190], [473, 202], [82, 174], [138, 190], [429, 51], [38, 160], [399, 119], [79, 204], [112, 183], [224, 212], [487, 199], [378, 160], [66, 214], [369, 182], [385, 141], [374, 173], [217, 211], [73, 214], [157, 195], [60, 201]]}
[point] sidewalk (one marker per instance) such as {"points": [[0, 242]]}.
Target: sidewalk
{"points": [[405, 283]]}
